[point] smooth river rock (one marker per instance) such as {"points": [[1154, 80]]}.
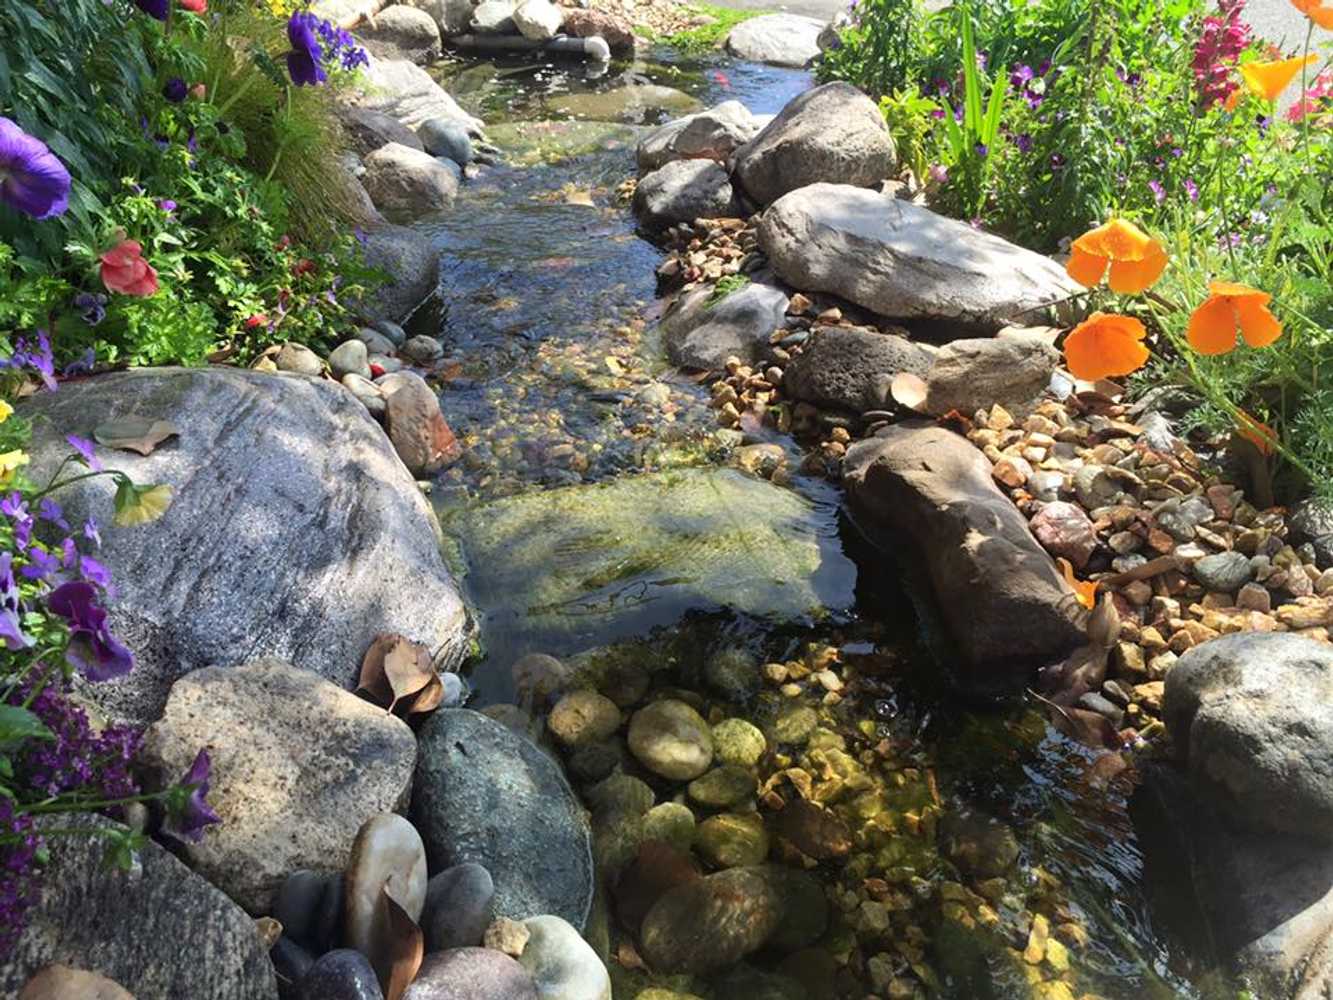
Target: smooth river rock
{"points": [[709, 923], [682, 191], [298, 764], [407, 183], [776, 39], [1005, 608], [471, 974], [1251, 715], [341, 974], [386, 857], [460, 905], [487, 795], [713, 134], [906, 262], [404, 91], [702, 332], [977, 373], [294, 530], [159, 930], [833, 134], [413, 265], [401, 31], [671, 739], [562, 965]]}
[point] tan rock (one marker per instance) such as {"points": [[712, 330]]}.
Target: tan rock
{"points": [[60, 982]]}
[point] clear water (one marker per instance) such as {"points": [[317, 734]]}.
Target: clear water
{"points": [[557, 382]]}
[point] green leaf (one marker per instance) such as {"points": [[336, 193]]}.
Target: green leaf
{"points": [[18, 724]]}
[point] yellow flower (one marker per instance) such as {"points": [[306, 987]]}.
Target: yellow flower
{"points": [[5, 411], [1269, 79], [140, 507], [10, 462], [1136, 259]]}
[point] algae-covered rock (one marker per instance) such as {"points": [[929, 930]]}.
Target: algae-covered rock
{"points": [[610, 560], [636, 102], [529, 143]]}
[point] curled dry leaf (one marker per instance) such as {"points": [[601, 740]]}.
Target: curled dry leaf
{"points": [[909, 391], [399, 675], [141, 434], [399, 949]]}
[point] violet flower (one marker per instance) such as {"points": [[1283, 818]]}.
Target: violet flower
{"points": [[154, 8], [94, 572], [40, 565], [92, 532], [1158, 192], [305, 61], [87, 451], [11, 630], [195, 813], [175, 90], [49, 510], [32, 179], [91, 307], [83, 364], [93, 650]]}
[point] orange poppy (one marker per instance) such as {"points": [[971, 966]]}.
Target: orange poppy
{"points": [[1316, 11], [1105, 344], [1260, 435], [1269, 79], [1084, 590], [1232, 100], [1229, 307], [1136, 259]]}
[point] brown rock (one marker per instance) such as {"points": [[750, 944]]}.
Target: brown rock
{"points": [[415, 424], [617, 32], [1064, 530], [814, 831], [60, 982]]}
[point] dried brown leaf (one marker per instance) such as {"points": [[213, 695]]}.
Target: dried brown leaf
{"points": [[141, 434], [407, 668], [400, 948], [372, 681], [427, 699], [909, 390]]}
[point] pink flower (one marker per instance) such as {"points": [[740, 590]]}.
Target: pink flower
{"points": [[1311, 102], [1223, 38], [194, 6], [125, 271]]}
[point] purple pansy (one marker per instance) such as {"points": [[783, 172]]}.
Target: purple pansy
{"points": [[10, 628], [41, 564], [175, 90], [49, 510], [93, 650], [1023, 142], [305, 61], [91, 307], [154, 8], [196, 814], [32, 179], [87, 451], [94, 572], [82, 365]]}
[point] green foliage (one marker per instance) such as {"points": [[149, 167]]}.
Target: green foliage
{"points": [[880, 50], [709, 36], [725, 286], [909, 118], [968, 142]]}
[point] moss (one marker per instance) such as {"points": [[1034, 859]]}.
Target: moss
{"points": [[712, 35], [724, 287]]}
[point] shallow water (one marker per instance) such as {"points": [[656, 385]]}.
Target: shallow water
{"points": [[557, 382]]}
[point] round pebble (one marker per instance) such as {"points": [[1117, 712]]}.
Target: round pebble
{"points": [[739, 742], [672, 740], [723, 787], [583, 717], [733, 840], [671, 822], [796, 725], [1225, 572]]}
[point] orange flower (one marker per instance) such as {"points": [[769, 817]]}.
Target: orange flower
{"points": [[1316, 11], [1212, 327], [1269, 79], [1084, 590], [1136, 259], [1104, 345], [1260, 435]]}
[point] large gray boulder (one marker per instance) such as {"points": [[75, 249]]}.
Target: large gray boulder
{"points": [[159, 930], [701, 332], [851, 368], [368, 130], [1004, 607], [451, 16], [538, 20], [832, 134], [402, 32], [403, 90], [777, 39], [298, 765], [1259, 903], [484, 794], [904, 261], [413, 265], [714, 134], [406, 183], [683, 191], [1251, 714], [294, 530]]}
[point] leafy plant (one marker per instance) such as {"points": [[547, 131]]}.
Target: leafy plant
{"points": [[969, 137], [711, 34], [910, 119], [879, 49]]}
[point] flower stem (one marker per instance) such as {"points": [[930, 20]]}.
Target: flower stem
{"points": [[52, 486]]}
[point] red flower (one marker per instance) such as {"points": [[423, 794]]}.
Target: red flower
{"points": [[125, 271], [303, 266], [194, 6], [283, 243], [258, 319]]}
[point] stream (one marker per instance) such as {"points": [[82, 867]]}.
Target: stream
{"points": [[595, 518]]}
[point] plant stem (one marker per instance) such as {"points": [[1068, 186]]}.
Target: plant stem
{"points": [[53, 486], [85, 806], [277, 156]]}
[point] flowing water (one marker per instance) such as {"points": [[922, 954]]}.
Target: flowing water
{"points": [[595, 520]]}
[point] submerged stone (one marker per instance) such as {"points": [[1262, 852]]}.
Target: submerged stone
{"points": [[637, 102]]}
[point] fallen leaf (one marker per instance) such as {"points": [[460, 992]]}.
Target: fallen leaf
{"points": [[1088, 728], [614, 366], [579, 196], [427, 699], [399, 949], [140, 434], [399, 675], [909, 390], [408, 669], [1084, 590]]}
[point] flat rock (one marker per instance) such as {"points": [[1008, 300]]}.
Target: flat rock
{"points": [[413, 264], [1005, 608], [901, 260], [852, 368], [682, 191], [486, 795], [1252, 716], [401, 31], [776, 39], [713, 134], [158, 931], [494, 17], [60, 982], [973, 374], [406, 183], [471, 974], [403, 90], [368, 130], [452, 17], [538, 20], [298, 765], [634, 102], [702, 332], [832, 134], [446, 137], [294, 530]]}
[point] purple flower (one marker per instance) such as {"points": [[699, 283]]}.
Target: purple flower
{"points": [[1058, 161], [18, 863], [1191, 189], [1158, 192], [154, 8], [305, 61], [1023, 142], [94, 572], [92, 533], [982, 150], [11, 630], [87, 451], [92, 308], [83, 364], [167, 206], [14, 508], [93, 650], [175, 90], [49, 510], [194, 814], [41, 564], [32, 180], [1020, 76], [69, 554]]}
